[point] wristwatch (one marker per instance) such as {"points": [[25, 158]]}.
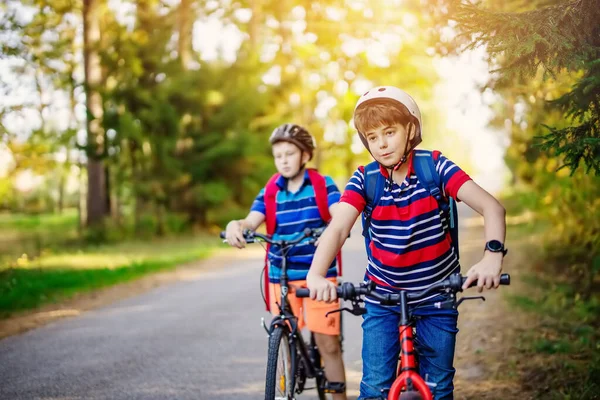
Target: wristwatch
{"points": [[496, 246]]}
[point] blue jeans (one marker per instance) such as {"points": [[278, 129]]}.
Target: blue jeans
{"points": [[435, 342]]}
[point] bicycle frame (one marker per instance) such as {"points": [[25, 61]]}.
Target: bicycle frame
{"points": [[289, 321], [407, 377]]}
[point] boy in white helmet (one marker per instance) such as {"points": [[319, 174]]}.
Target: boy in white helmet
{"points": [[410, 246]]}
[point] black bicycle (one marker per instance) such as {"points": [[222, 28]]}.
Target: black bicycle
{"points": [[291, 361]]}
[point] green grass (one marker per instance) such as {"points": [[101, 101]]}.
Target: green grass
{"points": [[59, 275], [31, 234], [38, 222], [560, 349]]}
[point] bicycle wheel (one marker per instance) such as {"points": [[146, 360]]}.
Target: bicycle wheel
{"points": [[412, 395], [279, 367]]}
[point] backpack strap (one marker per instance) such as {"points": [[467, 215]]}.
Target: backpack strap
{"points": [[424, 166], [271, 190], [320, 187], [374, 185]]}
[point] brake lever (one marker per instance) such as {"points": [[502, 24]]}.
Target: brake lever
{"points": [[468, 298], [355, 310]]}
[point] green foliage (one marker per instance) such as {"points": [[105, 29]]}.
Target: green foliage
{"points": [[185, 135], [575, 144], [6, 193], [28, 223], [551, 36], [50, 279], [561, 35]]}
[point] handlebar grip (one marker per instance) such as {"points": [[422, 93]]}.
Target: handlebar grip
{"points": [[305, 292], [504, 280], [222, 235]]}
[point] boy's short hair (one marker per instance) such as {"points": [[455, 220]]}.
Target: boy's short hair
{"points": [[377, 112]]}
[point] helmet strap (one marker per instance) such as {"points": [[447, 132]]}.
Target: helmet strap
{"points": [[300, 171], [400, 163]]}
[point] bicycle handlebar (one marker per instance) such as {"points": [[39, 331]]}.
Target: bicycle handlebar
{"points": [[251, 236], [348, 291]]}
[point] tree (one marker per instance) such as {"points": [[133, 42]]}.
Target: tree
{"points": [[43, 52], [97, 192], [552, 36]]}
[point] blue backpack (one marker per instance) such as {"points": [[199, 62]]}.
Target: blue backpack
{"points": [[424, 167]]}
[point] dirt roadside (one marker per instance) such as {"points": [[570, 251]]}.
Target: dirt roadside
{"points": [[486, 357]]}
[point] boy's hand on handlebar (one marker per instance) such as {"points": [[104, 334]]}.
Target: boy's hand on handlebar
{"points": [[320, 288], [486, 272], [234, 235]]}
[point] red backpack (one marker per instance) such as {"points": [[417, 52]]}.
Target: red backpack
{"points": [[320, 187]]}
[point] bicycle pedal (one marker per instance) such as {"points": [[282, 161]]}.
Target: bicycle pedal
{"points": [[335, 387]]}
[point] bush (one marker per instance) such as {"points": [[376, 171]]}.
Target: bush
{"points": [[220, 217], [177, 223]]}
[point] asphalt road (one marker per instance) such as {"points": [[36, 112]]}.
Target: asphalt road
{"points": [[195, 339], [200, 338]]}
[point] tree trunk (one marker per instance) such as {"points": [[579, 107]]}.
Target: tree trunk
{"points": [[254, 25], [81, 212], [96, 193], [137, 216], [136, 178], [62, 182], [108, 189], [160, 219], [186, 16]]}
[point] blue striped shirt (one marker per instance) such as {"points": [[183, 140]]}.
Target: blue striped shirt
{"points": [[296, 212]]}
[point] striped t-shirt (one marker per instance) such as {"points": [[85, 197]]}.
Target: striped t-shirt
{"points": [[295, 212], [411, 246]]}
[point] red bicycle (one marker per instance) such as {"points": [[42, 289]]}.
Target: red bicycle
{"points": [[409, 385]]}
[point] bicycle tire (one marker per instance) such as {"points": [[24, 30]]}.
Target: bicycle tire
{"points": [[412, 395], [278, 384]]}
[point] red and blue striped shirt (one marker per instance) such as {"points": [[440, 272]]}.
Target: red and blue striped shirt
{"points": [[295, 212], [410, 239]]}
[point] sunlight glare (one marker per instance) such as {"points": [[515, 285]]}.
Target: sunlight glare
{"points": [[334, 14], [211, 46], [273, 76]]}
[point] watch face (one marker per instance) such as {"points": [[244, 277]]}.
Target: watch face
{"points": [[494, 245]]}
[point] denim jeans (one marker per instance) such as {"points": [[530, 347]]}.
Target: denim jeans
{"points": [[435, 343]]}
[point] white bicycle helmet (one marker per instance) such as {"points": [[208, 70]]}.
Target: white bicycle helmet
{"points": [[392, 93], [395, 94]]}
